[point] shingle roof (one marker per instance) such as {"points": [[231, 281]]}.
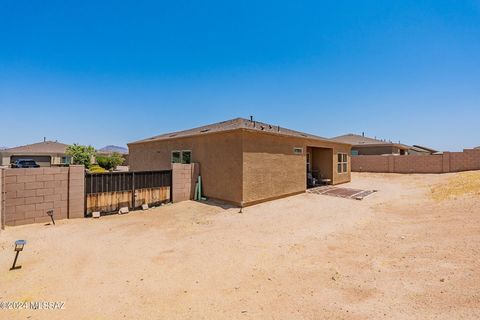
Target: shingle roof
{"points": [[356, 140], [40, 147], [234, 124]]}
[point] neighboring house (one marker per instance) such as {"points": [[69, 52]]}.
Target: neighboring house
{"points": [[420, 150], [46, 154], [477, 147], [362, 145], [244, 161]]}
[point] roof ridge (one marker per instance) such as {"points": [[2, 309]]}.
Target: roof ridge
{"points": [[232, 124]]}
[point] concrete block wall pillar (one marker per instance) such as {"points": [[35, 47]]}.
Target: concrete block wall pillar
{"points": [[391, 164], [183, 181], [446, 162], [76, 192]]}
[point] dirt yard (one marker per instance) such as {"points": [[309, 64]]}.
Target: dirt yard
{"points": [[409, 251]]}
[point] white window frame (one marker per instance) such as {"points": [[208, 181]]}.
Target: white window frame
{"points": [[341, 164]]}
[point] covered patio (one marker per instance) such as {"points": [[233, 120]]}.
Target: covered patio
{"points": [[319, 166]]}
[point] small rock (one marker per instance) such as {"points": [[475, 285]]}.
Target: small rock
{"points": [[442, 280], [123, 210]]}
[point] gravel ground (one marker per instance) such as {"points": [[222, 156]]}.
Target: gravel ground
{"points": [[398, 254]]}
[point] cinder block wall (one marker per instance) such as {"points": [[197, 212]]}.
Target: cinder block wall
{"points": [[469, 159], [30, 193], [184, 177], [1, 200]]}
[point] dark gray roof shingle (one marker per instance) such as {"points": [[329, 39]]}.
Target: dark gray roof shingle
{"points": [[237, 123]]}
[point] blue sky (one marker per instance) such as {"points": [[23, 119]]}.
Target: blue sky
{"points": [[113, 72]]}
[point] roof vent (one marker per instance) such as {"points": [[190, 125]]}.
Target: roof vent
{"points": [[205, 130]]}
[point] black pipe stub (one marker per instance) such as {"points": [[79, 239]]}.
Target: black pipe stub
{"points": [[50, 213]]}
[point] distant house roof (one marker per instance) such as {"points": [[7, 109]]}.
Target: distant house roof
{"points": [[423, 149], [40, 147], [3, 148], [112, 148], [229, 125], [360, 140], [477, 147]]}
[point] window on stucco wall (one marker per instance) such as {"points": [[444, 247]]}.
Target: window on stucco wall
{"points": [[342, 162], [184, 156]]}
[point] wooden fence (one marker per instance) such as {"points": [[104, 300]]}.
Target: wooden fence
{"points": [[108, 192]]}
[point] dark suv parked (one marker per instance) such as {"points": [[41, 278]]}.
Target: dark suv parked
{"points": [[25, 163]]}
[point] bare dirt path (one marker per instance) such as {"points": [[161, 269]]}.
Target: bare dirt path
{"points": [[398, 254]]}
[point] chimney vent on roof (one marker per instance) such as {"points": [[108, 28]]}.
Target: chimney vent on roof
{"points": [[44, 139], [363, 134], [251, 118]]}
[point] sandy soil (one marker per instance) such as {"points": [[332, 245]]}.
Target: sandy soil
{"points": [[398, 254]]}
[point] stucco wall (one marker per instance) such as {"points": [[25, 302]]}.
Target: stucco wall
{"points": [[272, 170], [241, 166], [29, 193], [219, 156], [322, 162]]}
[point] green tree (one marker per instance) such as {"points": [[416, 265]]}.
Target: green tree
{"points": [[110, 162], [81, 154]]}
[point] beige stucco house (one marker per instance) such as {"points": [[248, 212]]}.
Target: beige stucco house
{"points": [[244, 161], [362, 145], [45, 153]]}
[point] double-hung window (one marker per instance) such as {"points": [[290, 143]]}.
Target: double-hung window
{"points": [[342, 163]]}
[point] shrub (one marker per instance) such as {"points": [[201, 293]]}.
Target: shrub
{"points": [[96, 169], [81, 154], [110, 162]]}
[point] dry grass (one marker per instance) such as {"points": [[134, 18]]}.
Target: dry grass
{"points": [[462, 184]]}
